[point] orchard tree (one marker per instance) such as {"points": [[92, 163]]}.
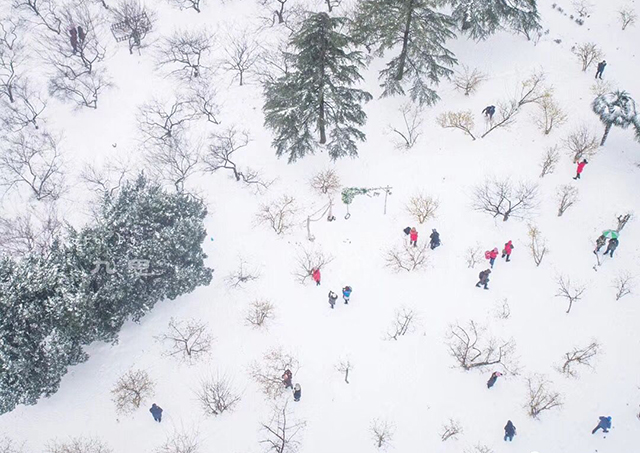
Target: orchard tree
{"points": [[482, 18], [317, 93], [419, 32], [616, 109]]}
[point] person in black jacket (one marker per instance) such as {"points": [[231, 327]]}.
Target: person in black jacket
{"points": [[484, 279], [156, 411], [435, 239], [494, 377], [297, 392], [600, 69], [489, 111], [509, 431], [611, 247]]}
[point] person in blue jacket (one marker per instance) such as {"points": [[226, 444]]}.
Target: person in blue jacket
{"points": [[604, 424], [156, 411], [509, 431], [346, 293]]}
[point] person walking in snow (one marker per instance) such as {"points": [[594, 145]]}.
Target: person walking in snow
{"points": [[73, 39], [346, 293], [604, 424], [332, 298], [600, 69], [611, 247], [287, 376], [484, 278], [600, 242], [580, 168], [156, 411], [407, 231], [413, 237], [509, 431], [316, 276], [297, 392], [489, 111], [494, 377], [508, 248], [435, 239], [491, 256], [81, 34]]}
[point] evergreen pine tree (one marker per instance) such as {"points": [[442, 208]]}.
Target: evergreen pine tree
{"points": [[616, 109], [317, 93], [420, 32], [482, 18]]}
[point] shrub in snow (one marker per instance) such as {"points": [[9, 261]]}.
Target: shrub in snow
{"points": [[280, 434], [501, 198], [326, 182], [450, 430], [184, 53], [403, 320], [279, 214], [579, 356], [188, 4], [242, 53], [627, 16], [180, 442], [472, 347], [259, 313], [616, 109], [587, 53], [308, 260], [458, 120], [623, 284], [468, 80], [567, 196], [268, 373], [582, 143], [569, 291], [187, 340], [549, 161], [537, 245], [540, 397], [550, 115], [422, 207], [407, 257], [408, 134], [345, 366], [78, 445], [131, 390], [382, 433], [217, 395], [8, 445]]}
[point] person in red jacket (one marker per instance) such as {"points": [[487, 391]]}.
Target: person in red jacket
{"points": [[580, 168], [316, 276], [492, 255], [508, 248], [413, 236]]}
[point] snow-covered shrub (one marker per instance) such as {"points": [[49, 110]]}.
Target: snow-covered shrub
{"points": [[472, 347], [540, 397], [567, 196], [407, 257], [616, 109], [268, 373], [259, 313], [579, 356], [326, 182], [131, 390], [187, 340], [462, 120], [422, 207], [549, 161], [78, 445], [278, 214], [217, 395]]}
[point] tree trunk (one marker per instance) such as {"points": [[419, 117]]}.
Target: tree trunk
{"points": [[606, 134], [405, 42], [321, 121]]}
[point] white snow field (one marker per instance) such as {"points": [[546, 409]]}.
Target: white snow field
{"points": [[412, 383]]}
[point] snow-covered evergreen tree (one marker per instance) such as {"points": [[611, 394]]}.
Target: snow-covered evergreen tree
{"points": [[616, 109], [481, 18], [316, 94], [420, 32]]}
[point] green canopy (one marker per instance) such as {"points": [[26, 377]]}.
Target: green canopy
{"points": [[613, 234]]}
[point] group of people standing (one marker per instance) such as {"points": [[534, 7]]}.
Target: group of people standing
{"points": [[76, 36], [333, 297], [287, 381], [412, 232], [491, 255]]}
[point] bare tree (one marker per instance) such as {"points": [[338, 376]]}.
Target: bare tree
{"points": [[506, 115], [180, 442], [8, 445], [187, 340], [25, 109], [569, 291], [174, 160], [478, 448], [410, 131], [627, 16], [462, 120], [623, 284], [540, 398], [582, 143], [242, 54], [579, 356], [402, 323], [188, 4], [260, 312], [422, 207], [622, 221], [582, 7], [382, 432], [308, 260], [83, 89], [78, 445], [468, 80], [282, 12], [534, 89], [242, 275], [550, 115], [501, 198], [217, 395], [473, 256], [326, 182], [345, 366], [503, 310], [31, 232], [450, 430], [281, 432], [537, 245], [407, 258], [471, 347], [12, 55], [268, 373], [279, 214], [331, 4], [274, 62], [587, 53], [549, 161], [601, 87], [185, 52], [161, 121], [567, 196], [132, 389], [134, 22], [45, 11], [34, 159], [108, 179], [202, 97]]}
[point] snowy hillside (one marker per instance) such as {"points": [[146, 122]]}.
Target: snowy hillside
{"points": [[412, 383]]}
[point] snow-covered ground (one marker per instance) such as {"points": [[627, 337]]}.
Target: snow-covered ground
{"points": [[413, 382]]}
